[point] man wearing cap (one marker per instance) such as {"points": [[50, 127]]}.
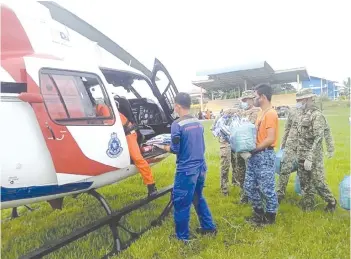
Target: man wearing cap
{"points": [[250, 112], [227, 157], [289, 144], [312, 127]]}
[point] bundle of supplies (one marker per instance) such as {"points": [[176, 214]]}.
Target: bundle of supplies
{"points": [[344, 189], [242, 135], [221, 127], [163, 139], [238, 131], [297, 185], [278, 160]]}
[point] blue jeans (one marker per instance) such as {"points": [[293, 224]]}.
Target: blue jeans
{"points": [[259, 179], [187, 189]]}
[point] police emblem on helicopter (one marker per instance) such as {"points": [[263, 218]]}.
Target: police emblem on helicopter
{"points": [[114, 146]]}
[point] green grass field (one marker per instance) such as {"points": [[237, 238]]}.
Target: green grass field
{"points": [[296, 234]]}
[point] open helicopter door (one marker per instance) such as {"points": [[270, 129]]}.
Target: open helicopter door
{"points": [[166, 88], [78, 120]]}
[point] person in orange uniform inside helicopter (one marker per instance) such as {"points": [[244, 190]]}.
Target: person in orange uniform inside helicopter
{"points": [[133, 146]]}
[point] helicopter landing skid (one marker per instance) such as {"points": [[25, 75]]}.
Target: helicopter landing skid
{"points": [[114, 220], [14, 213]]}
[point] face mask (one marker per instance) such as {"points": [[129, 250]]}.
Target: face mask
{"points": [[299, 105], [244, 105]]}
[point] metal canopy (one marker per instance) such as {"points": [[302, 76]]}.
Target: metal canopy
{"points": [[249, 75], [67, 18], [290, 75]]}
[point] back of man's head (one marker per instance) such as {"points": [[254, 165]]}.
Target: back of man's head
{"points": [[264, 89], [184, 100]]}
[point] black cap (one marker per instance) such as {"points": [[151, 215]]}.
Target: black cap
{"points": [[183, 99]]}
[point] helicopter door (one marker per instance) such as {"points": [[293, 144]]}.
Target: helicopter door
{"points": [[80, 124], [166, 88]]}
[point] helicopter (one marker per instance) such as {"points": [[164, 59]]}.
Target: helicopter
{"points": [[54, 144]]}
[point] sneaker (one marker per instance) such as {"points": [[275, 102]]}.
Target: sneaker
{"points": [[151, 189], [331, 206], [202, 231]]}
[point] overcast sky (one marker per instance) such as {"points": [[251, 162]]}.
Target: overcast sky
{"points": [[188, 36]]}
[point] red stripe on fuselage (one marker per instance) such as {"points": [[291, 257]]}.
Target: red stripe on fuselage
{"points": [[15, 44]]}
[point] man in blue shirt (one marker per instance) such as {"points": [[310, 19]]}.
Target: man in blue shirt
{"points": [[187, 142]]}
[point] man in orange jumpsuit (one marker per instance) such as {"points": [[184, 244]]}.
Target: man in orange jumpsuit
{"points": [[134, 150]]}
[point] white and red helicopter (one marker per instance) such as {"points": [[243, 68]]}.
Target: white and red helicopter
{"points": [[53, 143]]}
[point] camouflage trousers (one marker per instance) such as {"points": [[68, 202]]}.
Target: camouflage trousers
{"points": [[313, 181], [260, 181], [287, 164], [238, 167]]}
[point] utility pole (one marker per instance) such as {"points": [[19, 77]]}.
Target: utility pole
{"points": [[201, 101]]}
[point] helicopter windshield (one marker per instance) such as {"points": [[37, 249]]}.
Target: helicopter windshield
{"points": [[139, 88]]}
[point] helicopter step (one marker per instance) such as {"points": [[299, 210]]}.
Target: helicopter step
{"points": [[113, 219]]}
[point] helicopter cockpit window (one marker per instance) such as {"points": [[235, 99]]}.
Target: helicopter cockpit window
{"points": [[72, 98]]}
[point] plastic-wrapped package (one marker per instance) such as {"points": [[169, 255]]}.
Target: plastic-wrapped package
{"points": [[297, 185], [216, 130], [279, 158], [344, 189], [238, 131], [221, 128], [163, 139], [242, 136]]}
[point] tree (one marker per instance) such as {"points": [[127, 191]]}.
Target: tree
{"points": [[216, 94], [347, 85], [283, 89]]}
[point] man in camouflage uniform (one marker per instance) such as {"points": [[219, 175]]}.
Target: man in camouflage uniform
{"points": [[250, 112], [247, 110], [226, 154], [289, 144], [312, 126]]}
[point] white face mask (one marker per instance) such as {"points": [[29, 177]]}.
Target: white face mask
{"points": [[299, 105], [244, 105]]}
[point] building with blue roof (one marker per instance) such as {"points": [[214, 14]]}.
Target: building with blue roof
{"points": [[321, 86]]}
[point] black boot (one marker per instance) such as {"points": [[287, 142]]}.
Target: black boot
{"points": [[331, 206], [257, 217], [152, 190], [269, 218], [280, 198]]}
